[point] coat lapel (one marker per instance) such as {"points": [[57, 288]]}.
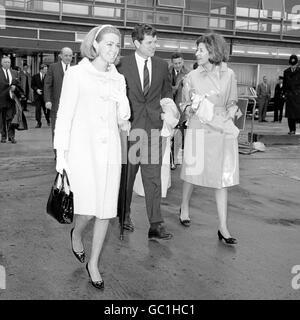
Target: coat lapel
{"points": [[135, 73], [155, 73]]}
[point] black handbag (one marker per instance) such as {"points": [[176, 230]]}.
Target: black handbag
{"points": [[60, 201]]}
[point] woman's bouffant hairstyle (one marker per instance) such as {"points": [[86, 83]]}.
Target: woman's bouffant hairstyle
{"points": [[87, 48], [140, 30], [216, 47]]}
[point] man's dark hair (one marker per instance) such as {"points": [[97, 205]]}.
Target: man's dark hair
{"points": [[142, 29], [42, 66], [293, 60], [176, 55]]}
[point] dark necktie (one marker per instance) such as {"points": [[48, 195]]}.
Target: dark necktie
{"points": [[7, 77], [66, 67], [146, 78]]}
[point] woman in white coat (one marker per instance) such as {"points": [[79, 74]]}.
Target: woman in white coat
{"points": [[93, 107]]}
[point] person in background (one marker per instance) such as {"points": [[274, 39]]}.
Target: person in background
{"points": [[279, 99], [291, 84], [177, 73], [37, 85], [263, 98], [7, 105], [53, 83], [212, 88], [25, 82], [92, 108]]}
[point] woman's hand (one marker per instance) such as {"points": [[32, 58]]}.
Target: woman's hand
{"points": [[124, 125], [61, 163]]}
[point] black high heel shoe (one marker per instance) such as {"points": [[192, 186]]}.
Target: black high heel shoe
{"points": [[227, 240], [96, 284], [79, 255], [186, 223]]}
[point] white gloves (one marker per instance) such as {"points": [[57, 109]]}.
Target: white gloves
{"points": [[124, 125], [170, 116], [61, 163]]}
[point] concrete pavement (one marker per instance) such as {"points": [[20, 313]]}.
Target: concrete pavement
{"points": [[263, 215]]}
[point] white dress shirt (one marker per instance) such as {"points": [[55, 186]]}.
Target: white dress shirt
{"points": [[140, 64], [9, 75], [64, 66]]}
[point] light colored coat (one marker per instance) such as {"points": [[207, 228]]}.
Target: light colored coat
{"points": [[87, 127]]}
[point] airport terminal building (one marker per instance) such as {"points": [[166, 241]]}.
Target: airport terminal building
{"points": [[262, 34]]}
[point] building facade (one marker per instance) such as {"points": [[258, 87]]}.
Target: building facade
{"points": [[262, 34]]}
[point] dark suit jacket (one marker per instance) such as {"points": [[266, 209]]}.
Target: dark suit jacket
{"points": [[177, 83], [52, 84], [37, 83], [146, 110], [291, 83], [5, 100]]}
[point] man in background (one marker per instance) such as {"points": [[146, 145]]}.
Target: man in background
{"points": [[263, 97], [25, 82], [37, 85], [279, 99], [53, 83], [7, 105], [177, 73]]}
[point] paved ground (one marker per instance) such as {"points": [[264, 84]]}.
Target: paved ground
{"points": [[264, 216]]}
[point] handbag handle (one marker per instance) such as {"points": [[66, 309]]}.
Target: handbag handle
{"points": [[64, 180]]}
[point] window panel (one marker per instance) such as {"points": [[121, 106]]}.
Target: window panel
{"points": [[197, 5], [224, 7], [196, 21], [248, 8]]}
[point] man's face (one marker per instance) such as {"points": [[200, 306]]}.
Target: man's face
{"points": [[147, 47], [66, 55], [265, 79], [178, 63], [5, 62], [44, 70]]}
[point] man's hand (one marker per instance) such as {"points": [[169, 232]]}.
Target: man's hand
{"points": [[39, 91], [48, 105], [12, 88]]}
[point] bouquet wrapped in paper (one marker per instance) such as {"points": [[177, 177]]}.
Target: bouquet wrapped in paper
{"points": [[170, 116]]}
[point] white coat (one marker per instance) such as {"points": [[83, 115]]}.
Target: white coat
{"points": [[87, 128]]}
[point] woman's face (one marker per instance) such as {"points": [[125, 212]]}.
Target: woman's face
{"points": [[109, 47], [202, 54]]}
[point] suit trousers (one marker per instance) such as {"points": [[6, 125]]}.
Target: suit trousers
{"points": [[7, 131], [262, 108], [39, 106], [151, 177], [278, 108], [53, 115]]}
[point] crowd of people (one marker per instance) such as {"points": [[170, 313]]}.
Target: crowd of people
{"points": [[108, 111]]}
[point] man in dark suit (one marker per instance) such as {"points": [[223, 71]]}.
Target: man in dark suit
{"points": [[291, 85], [279, 99], [148, 81], [7, 105], [263, 98], [177, 73], [53, 83], [25, 82], [37, 85]]}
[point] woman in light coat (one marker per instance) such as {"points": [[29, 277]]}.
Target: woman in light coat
{"points": [[211, 130], [93, 107]]}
